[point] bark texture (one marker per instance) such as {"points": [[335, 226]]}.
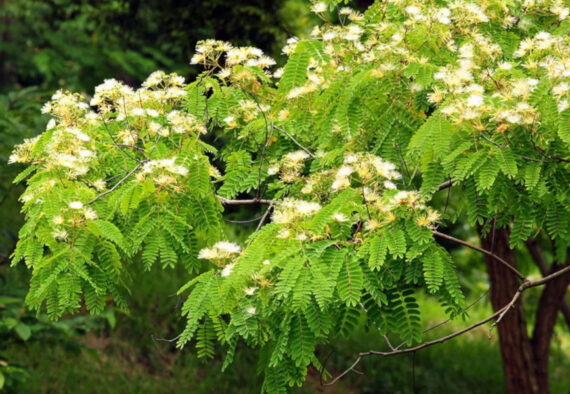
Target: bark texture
{"points": [[525, 360], [516, 350]]}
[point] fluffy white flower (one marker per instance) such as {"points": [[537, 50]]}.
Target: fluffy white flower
{"points": [[250, 290], [76, 205], [297, 156], [475, 100], [290, 210], [340, 217], [344, 171], [90, 214], [228, 247], [505, 66], [58, 220], [319, 7], [412, 10], [220, 250], [227, 270], [60, 234]]}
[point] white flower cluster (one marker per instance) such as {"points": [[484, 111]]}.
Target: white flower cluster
{"points": [[163, 171], [290, 166], [367, 166], [65, 106], [210, 53], [158, 89], [22, 152], [290, 210], [220, 252], [182, 123], [245, 112]]}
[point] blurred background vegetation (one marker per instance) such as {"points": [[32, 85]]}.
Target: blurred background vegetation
{"points": [[74, 44]]}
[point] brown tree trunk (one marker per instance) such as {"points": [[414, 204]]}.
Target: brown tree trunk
{"points": [[551, 301], [538, 257], [518, 361]]}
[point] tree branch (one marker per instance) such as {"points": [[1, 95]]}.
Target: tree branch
{"points": [[252, 201], [445, 185], [484, 251], [294, 140], [116, 185], [527, 284]]}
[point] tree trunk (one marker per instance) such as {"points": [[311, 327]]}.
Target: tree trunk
{"points": [[550, 303], [538, 257], [518, 361]]}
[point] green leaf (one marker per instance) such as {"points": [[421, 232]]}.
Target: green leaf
{"points": [[532, 174], [107, 230], [378, 249], [507, 162], [350, 281], [23, 331]]}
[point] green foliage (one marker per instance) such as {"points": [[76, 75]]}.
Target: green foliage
{"points": [[333, 147]]}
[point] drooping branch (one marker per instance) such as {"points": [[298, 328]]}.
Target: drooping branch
{"points": [[527, 284], [484, 251]]}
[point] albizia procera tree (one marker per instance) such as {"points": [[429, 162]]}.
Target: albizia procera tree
{"points": [[342, 150]]}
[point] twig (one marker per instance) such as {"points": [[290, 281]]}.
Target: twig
{"points": [[166, 340], [527, 284], [252, 201], [294, 140], [116, 185], [412, 349], [389, 344], [484, 251], [464, 310], [244, 221], [264, 216], [445, 185]]}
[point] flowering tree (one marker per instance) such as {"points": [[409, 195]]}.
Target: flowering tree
{"points": [[343, 150]]}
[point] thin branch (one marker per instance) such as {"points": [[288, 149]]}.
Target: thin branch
{"points": [[244, 221], [165, 339], [445, 185], [548, 278], [264, 216], [115, 142], [412, 349], [527, 284], [294, 140], [252, 201], [484, 251], [464, 310], [116, 185], [389, 343]]}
